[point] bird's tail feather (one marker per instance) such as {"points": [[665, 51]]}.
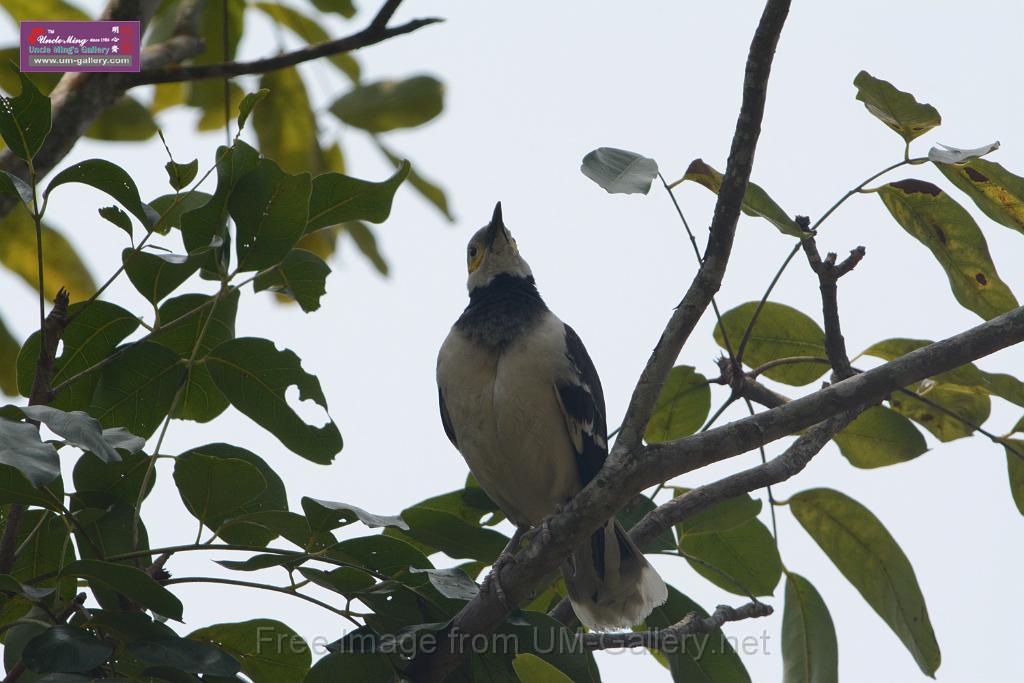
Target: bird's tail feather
{"points": [[611, 585]]}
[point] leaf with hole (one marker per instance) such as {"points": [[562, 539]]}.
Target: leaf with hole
{"points": [[682, 406], [895, 108], [880, 437], [387, 105], [326, 515], [934, 219], [810, 653], [337, 198], [25, 119], [110, 178], [756, 201], [619, 171], [254, 376], [780, 332], [301, 276], [137, 390], [452, 535], [116, 217], [869, 557]]}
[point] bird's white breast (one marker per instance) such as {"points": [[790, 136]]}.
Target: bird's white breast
{"points": [[508, 422]]}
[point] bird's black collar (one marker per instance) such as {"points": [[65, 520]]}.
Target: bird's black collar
{"points": [[501, 310]]}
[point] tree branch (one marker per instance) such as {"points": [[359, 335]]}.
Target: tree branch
{"points": [[671, 639], [371, 35], [828, 276], [708, 279]]}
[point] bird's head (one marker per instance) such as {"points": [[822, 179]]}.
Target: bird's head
{"points": [[491, 252]]}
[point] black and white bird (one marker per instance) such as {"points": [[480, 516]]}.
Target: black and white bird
{"points": [[522, 402]]}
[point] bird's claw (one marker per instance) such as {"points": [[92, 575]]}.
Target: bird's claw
{"points": [[493, 580]]}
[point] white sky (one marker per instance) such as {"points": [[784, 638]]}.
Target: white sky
{"points": [[532, 87]]}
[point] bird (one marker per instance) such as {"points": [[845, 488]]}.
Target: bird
{"points": [[521, 400]]}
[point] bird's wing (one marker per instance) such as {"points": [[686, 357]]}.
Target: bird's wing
{"points": [[446, 420], [582, 401]]}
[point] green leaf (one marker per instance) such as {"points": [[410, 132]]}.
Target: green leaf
{"points": [[880, 437], [387, 105], [996, 191], [534, 669], [682, 407], [365, 667], [379, 553], [619, 171], [55, 10], [43, 551], [11, 585], [199, 226], [9, 349], [270, 209], [202, 400], [185, 655], [310, 31], [14, 186], [254, 376], [338, 198], [1015, 471], [452, 535], [869, 557], [118, 217], [126, 120], [136, 390], [541, 635], [743, 560], [268, 651], [285, 125], [62, 266], [156, 274], [22, 449], [967, 403], [64, 648], [77, 428], [302, 275], [110, 178], [271, 498], [756, 201], [343, 7], [15, 487], [135, 584], [716, 662], [111, 482], [326, 515], [895, 108], [248, 102], [366, 243], [429, 190], [810, 653], [345, 581], [780, 332], [25, 119], [180, 175], [722, 516], [216, 487], [933, 218], [172, 206]]}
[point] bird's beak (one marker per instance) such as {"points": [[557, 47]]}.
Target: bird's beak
{"points": [[495, 227]]}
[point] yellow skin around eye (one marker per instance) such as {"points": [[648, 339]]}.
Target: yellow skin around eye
{"points": [[475, 261]]}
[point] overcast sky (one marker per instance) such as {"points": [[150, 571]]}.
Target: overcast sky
{"points": [[531, 88]]}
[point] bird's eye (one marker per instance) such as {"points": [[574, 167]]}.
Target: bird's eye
{"points": [[472, 251]]}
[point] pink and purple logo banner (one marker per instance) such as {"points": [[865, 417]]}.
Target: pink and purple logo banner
{"points": [[80, 46]]}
